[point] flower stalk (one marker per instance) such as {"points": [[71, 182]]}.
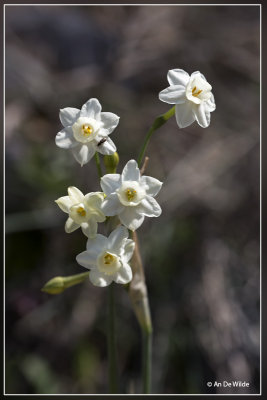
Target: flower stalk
{"points": [[112, 354], [159, 121], [147, 360]]}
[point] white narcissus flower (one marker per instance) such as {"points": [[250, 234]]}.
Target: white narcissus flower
{"points": [[192, 96], [84, 211], [130, 196], [108, 257], [86, 131]]}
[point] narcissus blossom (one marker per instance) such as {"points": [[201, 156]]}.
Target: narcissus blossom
{"points": [[86, 131], [130, 196], [108, 257], [84, 211], [192, 96]]}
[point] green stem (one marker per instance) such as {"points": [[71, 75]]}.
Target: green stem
{"points": [[147, 359], [159, 121], [98, 166], [112, 355], [75, 279]]}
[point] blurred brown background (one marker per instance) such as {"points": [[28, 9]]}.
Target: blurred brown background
{"points": [[201, 256]]}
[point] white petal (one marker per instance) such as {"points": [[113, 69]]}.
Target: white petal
{"points": [[91, 109], [71, 226], [68, 115], [89, 228], [96, 245], [197, 73], [64, 203], [202, 115], [99, 279], [152, 185], [116, 239], [99, 216], [184, 114], [210, 104], [65, 139], [83, 153], [86, 260], [130, 172], [109, 183], [111, 205], [150, 207], [108, 147], [124, 275], [75, 195], [110, 121], [94, 199], [128, 250], [131, 218], [178, 77], [173, 94]]}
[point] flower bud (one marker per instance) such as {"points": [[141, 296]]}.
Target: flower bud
{"points": [[54, 286], [58, 284], [111, 162]]}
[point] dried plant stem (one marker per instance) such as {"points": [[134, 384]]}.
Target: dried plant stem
{"points": [[142, 170], [159, 121], [140, 303]]}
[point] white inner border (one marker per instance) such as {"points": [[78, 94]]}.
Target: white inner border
{"points": [[134, 5]]}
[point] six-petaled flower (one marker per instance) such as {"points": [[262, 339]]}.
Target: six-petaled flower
{"points": [[130, 196], [84, 211], [86, 131], [192, 96], [108, 258]]}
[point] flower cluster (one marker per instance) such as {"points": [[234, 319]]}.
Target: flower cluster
{"points": [[129, 196]]}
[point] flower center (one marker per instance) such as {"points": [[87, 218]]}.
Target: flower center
{"points": [[81, 211], [130, 194], [196, 92], [108, 263], [87, 130], [108, 259]]}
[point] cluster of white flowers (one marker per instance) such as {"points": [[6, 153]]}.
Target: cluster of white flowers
{"points": [[128, 195]]}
